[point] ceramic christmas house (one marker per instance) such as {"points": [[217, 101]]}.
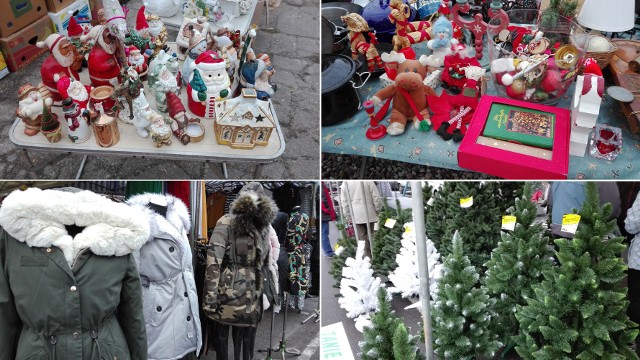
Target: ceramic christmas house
{"points": [[585, 107], [244, 122]]}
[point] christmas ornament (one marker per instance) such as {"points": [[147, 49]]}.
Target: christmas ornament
{"points": [[358, 33], [197, 45], [178, 113], [208, 84], [31, 108], [244, 122], [166, 82], [59, 62], [78, 121], [407, 33], [158, 34], [256, 74], [138, 61], [50, 125], [104, 67]]}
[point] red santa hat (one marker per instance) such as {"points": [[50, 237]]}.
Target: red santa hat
{"points": [[62, 83], [128, 50], [174, 104], [591, 67], [210, 60], [141, 20], [50, 42], [74, 29]]}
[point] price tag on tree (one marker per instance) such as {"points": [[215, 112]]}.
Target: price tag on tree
{"points": [[390, 223], [570, 223], [466, 202], [508, 222]]}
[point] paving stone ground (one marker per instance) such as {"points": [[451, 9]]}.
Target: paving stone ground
{"points": [[291, 38]]}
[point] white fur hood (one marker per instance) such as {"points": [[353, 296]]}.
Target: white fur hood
{"points": [[38, 218], [177, 221]]}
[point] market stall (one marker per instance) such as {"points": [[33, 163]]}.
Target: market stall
{"points": [[369, 129]]}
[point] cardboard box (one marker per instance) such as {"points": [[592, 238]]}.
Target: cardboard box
{"points": [[17, 14], [79, 9], [509, 160], [55, 6], [20, 48], [4, 70]]}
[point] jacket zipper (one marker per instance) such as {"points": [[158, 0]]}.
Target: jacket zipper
{"points": [[73, 264]]}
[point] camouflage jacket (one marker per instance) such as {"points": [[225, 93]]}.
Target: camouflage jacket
{"points": [[236, 261]]}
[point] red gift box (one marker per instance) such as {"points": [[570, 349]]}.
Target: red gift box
{"points": [[516, 161]]}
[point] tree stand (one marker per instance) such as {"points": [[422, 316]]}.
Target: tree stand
{"points": [[316, 313], [282, 347]]}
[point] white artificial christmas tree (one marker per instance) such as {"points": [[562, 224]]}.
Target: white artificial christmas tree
{"points": [[405, 278], [358, 287]]}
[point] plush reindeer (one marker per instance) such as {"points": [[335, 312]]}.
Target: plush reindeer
{"points": [[358, 27], [407, 33]]}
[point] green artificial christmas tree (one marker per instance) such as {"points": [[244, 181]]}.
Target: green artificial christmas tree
{"points": [[349, 246], [404, 345], [516, 265], [198, 85], [377, 340], [557, 9], [579, 309], [479, 224], [387, 241], [437, 215], [462, 314]]}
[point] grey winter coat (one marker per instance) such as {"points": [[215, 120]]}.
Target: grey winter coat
{"points": [[69, 286], [168, 286]]}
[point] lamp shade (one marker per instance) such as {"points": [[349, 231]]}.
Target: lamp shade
{"points": [[607, 15]]}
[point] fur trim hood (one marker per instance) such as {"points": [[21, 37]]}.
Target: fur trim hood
{"points": [[38, 218], [252, 213], [177, 221]]}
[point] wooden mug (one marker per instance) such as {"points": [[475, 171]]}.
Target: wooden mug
{"points": [[106, 131]]}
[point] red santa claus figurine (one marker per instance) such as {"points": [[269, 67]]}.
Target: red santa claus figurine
{"points": [[77, 91], [138, 61], [59, 63], [103, 62], [209, 82]]}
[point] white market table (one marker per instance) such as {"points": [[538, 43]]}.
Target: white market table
{"points": [[132, 145]]}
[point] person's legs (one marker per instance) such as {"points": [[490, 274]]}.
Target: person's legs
{"points": [[326, 243], [220, 340], [362, 233]]}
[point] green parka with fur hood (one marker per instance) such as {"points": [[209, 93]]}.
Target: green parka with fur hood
{"points": [[69, 285]]}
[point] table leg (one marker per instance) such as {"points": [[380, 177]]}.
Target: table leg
{"points": [[25, 156], [225, 173], [84, 161], [257, 170]]}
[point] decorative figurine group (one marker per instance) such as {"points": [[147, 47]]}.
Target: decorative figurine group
{"points": [[125, 64]]}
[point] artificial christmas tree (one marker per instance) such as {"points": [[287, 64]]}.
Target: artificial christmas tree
{"points": [[358, 287], [516, 265], [50, 125], [462, 314], [479, 223], [347, 246], [436, 216], [404, 345], [405, 277], [377, 340], [386, 242], [579, 309]]}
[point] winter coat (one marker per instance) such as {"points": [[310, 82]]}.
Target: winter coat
{"points": [[238, 261], [69, 285], [274, 253], [296, 239], [328, 212], [370, 197], [169, 292]]}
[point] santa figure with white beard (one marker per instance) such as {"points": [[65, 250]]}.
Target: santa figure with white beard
{"points": [[59, 63], [209, 82], [77, 91], [157, 32], [104, 68], [165, 82], [138, 61], [30, 108]]}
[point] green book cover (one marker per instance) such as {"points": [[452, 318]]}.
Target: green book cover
{"points": [[521, 125]]}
